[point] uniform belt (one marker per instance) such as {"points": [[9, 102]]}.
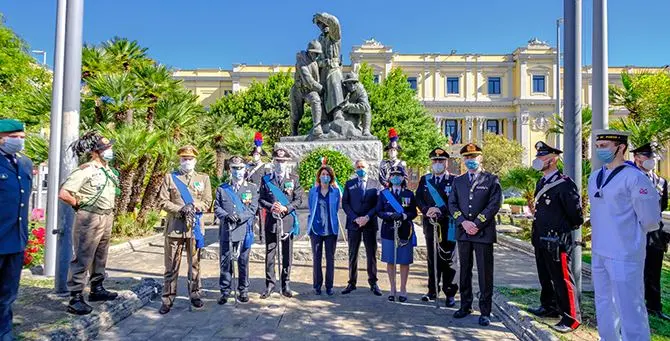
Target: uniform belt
{"points": [[96, 210]]}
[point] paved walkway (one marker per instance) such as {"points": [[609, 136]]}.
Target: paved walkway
{"points": [[306, 316]]}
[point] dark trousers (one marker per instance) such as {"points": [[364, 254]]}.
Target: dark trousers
{"points": [[271, 258], [557, 282], [369, 238], [484, 255], [445, 274], [652, 278], [226, 276], [317, 251], [10, 275]]}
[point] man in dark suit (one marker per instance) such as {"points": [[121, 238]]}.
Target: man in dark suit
{"points": [[280, 194], [16, 173], [474, 202], [657, 241], [431, 197], [359, 202], [235, 206]]}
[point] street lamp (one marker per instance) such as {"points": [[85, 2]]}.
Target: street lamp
{"points": [[44, 55]]}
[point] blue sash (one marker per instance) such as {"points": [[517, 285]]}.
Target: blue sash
{"points": [[240, 208], [437, 199], [399, 209], [281, 197], [188, 199]]}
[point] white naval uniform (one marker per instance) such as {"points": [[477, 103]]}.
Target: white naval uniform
{"points": [[626, 210]]}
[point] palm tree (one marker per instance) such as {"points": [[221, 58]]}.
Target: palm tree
{"points": [[118, 94], [153, 81], [218, 128], [522, 178], [556, 127], [627, 96], [641, 133], [126, 53]]}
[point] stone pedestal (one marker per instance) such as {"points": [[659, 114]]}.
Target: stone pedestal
{"points": [[368, 150]]}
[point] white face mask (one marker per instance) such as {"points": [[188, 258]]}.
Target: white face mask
{"points": [[538, 164], [187, 165], [649, 164], [438, 168], [257, 157], [12, 145], [107, 155], [393, 154]]}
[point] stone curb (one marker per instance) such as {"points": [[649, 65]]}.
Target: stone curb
{"points": [[107, 314], [522, 325], [134, 244], [527, 248]]}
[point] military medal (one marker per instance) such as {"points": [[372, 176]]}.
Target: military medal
{"points": [[547, 201], [246, 197], [197, 185], [405, 202]]}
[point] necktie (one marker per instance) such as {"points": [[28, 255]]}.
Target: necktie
{"points": [[542, 182], [472, 178], [11, 159]]}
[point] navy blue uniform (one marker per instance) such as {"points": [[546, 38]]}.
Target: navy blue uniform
{"points": [[358, 201], [15, 187], [389, 216], [477, 201], [657, 245]]}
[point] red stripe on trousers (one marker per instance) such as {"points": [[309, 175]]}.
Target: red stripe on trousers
{"points": [[571, 292]]}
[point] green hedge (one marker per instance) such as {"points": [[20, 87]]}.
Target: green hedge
{"points": [[310, 164], [516, 201]]}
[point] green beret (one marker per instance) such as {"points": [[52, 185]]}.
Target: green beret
{"points": [[9, 125]]}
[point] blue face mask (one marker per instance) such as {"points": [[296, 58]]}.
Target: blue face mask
{"points": [[325, 179], [605, 155], [396, 180], [471, 164], [12, 145], [238, 174], [361, 173]]}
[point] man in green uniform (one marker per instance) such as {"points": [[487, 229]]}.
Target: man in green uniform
{"points": [[90, 190], [178, 233]]}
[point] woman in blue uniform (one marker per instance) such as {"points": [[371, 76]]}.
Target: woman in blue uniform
{"points": [[397, 208], [324, 202]]}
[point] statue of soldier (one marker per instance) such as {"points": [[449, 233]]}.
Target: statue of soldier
{"points": [[307, 88], [357, 107], [330, 65]]}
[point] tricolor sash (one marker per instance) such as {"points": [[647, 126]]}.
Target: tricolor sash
{"points": [[188, 199]]}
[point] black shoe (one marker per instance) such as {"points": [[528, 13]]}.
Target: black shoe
{"points": [[348, 289], [484, 321], [391, 298], [164, 309], [330, 292], [317, 292], [658, 314], [402, 299], [244, 297], [267, 293], [451, 302], [544, 312], [223, 299], [461, 313], [428, 297], [375, 290], [563, 327], [196, 302], [78, 306], [99, 293], [287, 293]]}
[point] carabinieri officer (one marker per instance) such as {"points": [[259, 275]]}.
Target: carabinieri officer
{"points": [[474, 202], [558, 211]]}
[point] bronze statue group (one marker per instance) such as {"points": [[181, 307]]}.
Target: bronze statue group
{"points": [[457, 217]]}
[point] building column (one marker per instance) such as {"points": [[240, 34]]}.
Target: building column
{"points": [[523, 78], [480, 129], [236, 84], [436, 83], [510, 83], [523, 135], [510, 128], [468, 123]]}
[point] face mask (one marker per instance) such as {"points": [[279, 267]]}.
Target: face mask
{"points": [[107, 155], [538, 164], [393, 154], [257, 157], [238, 174], [396, 180], [471, 164], [281, 167], [361, 172], [325, 179], [187, 165], [438, 168], [605, 155], [12, 145], [649, 164]]}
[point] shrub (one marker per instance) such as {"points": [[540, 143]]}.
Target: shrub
{"points": [[515, 201], [34, 253], [127, 224], [311, 163]]}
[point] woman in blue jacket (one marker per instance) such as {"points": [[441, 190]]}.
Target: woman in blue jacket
{"points": [[324, 202], [397, 208]]}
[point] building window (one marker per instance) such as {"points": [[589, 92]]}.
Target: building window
{"points": [[494, 85], [452, 85], [227, 92], [412, 82], [375, 79], [492, 126], [539, 83], [452, 131]]}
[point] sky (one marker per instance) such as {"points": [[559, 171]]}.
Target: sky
{"points": [[190, 34]]}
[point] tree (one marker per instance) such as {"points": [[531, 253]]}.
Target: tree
{"points": [[522, 178], [311, 163], [556, 128], [500, 154], [395, 105]]}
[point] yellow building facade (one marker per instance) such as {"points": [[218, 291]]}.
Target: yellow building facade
{"points": [[510, 94]]}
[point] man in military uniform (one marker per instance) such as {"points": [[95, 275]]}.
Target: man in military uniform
{"points": [[431, 197], [280, 194], [657, 241], [16, 172], [307, 88], [235, 206], [179, 187], [91, 191], [558, 211], [256, 170], [393, 161], [474, 202], [357, 106]]}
